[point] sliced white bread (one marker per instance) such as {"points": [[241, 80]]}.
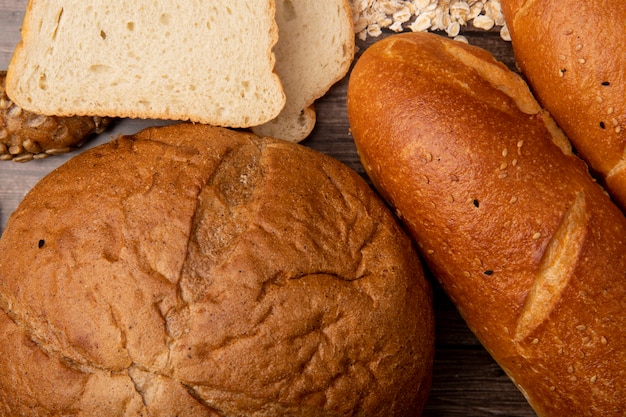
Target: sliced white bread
{"points": [[208, 62], [314, 51]]}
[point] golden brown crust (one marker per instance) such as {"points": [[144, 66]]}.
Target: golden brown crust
{"points": [[235, 274], [574, 57], [25, 136], [523, 240]]}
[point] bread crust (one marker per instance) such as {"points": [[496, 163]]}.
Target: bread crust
{"points": [[574, 57], [526, 244], [221, 274]]}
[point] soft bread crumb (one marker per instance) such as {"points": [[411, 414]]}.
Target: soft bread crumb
{"points": [[145, 60]]}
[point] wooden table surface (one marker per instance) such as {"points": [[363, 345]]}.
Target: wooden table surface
{"points": [[467, 382]]}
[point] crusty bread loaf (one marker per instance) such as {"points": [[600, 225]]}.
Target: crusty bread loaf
{"points": [[209, 63], [574, 57], [315, 49], [199, 271], [25, 136], [527, 245]]}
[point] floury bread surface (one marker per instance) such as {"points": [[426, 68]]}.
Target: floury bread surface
{"points": [[527, 245], [573, 54], [210, 63], [199, 271]]}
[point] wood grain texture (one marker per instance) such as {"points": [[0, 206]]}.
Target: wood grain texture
{"points": [[466, 381]]}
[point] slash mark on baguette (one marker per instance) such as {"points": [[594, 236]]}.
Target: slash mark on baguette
{"points": [[499, 76], [619, 167], [556, 269], [509, 83]]}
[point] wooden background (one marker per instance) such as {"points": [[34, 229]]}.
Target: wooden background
{"points": [[467, 382]]}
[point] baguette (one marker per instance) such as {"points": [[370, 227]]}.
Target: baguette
{"points": [[576, 67], [529, 248], [204, 62]]}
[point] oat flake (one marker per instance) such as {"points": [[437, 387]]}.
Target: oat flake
{"points": [[370, 16]]}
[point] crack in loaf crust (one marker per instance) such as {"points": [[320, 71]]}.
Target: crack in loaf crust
{"points": [[213, 273], [529, 248]]}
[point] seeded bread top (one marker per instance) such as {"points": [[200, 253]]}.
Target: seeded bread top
{"points": [[25, 136]]}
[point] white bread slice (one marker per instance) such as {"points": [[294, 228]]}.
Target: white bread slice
{"points": [[208, 62], [314, 51]]}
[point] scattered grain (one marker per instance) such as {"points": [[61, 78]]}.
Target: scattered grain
{"points": [[461, 38], [41, 155], [372, 16], [537, 235], [483, 22], [30, 146], [58, 151], [505, 34], [25, 157]]}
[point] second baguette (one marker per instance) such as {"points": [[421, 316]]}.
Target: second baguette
{"points": [[525, 243], [576, 67]]}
